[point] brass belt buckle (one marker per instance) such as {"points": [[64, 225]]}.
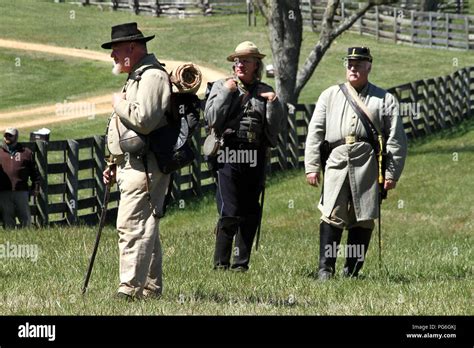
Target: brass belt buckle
{"points": [[251, 136], [350, 139]]}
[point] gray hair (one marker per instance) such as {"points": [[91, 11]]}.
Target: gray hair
{"points": [[259, 71]]}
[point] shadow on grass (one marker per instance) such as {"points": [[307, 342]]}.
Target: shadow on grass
{"points": [[429, 276], [219, 298], [445, 273]]}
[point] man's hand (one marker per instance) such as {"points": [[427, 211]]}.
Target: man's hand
{"points": [[109, 175], [231, 84], [269, 96], [117, 98], [389, 184], [313, 179]]}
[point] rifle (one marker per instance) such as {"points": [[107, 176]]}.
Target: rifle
{"points": [[97, 238]]}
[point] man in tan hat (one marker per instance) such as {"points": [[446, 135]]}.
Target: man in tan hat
{"points": [[248, 114], [17, 165], [351, 117], [140, 107]]}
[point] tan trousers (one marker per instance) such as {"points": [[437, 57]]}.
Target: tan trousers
{"points": [[14, 204], [139, 238], [343, 214]]}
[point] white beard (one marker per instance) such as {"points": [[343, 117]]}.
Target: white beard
{"points": [[117, 69]]}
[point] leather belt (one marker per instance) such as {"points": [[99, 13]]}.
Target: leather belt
{"points": [[350, 139]]}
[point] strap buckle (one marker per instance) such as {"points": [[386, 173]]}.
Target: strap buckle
{"points": [[350, 139]]}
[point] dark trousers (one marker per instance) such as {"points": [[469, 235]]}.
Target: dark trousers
{"points": [[239, 186]]}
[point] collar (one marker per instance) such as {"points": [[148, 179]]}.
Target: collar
{"points": [[11, 149], [147, 60], [246, 87], [363, 93]]}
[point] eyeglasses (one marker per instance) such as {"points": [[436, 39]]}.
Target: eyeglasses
{"points": [[8, 135], [244, 61]]}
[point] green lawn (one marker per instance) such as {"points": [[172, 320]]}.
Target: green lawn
{"points": [[427, 252]]}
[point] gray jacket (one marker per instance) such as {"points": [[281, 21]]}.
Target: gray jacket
{"points": [[333, 120], [222, 104]]}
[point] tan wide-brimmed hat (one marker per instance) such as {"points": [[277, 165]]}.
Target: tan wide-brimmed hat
{"points": [[245, 49]]}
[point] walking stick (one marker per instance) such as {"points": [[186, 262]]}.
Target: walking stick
{"points": [[380, 230], [262, 201], [382, 195], [97, 237]]}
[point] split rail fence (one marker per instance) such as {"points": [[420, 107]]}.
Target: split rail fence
{"points": [[400, 25]]}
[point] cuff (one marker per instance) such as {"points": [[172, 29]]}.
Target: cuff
{"points": [[390, 176], [311, 168]]}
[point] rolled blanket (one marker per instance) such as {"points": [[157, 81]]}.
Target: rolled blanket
{"points": [[186, 78]]}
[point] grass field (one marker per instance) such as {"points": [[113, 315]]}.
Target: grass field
{"points": [[427, 252]]}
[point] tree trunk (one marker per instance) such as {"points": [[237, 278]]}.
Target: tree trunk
{"points": [[285, 25], [286, 34]]}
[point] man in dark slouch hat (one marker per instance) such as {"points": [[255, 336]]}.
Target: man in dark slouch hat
{"points": [[140, 107]]}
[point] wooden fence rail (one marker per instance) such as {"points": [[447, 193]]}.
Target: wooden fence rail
{"points": [[173, 8], [425, 29], [71, 170], [402, 24]]}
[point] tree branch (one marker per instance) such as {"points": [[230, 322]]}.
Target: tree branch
{"points": [[328, 34], [328, 17], [263, 7], [348, 22]]}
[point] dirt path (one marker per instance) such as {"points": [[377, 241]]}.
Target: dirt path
{"points": [[87, 107]]}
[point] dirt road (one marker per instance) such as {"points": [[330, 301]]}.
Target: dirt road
{"points": [[84, 108]]}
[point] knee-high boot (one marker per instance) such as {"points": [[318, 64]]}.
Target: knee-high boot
{"points": [[358, 240], [329, 239]]}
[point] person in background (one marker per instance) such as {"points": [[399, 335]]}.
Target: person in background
{"points": [[17, 166]]}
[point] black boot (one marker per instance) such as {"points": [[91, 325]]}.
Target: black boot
{"points": [[226, 229], [243, 243], [357, 245], [329, 239]]}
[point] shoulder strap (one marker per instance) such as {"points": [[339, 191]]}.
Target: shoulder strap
{"points": [[369, 126], [234, 113], [137, 74]]}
